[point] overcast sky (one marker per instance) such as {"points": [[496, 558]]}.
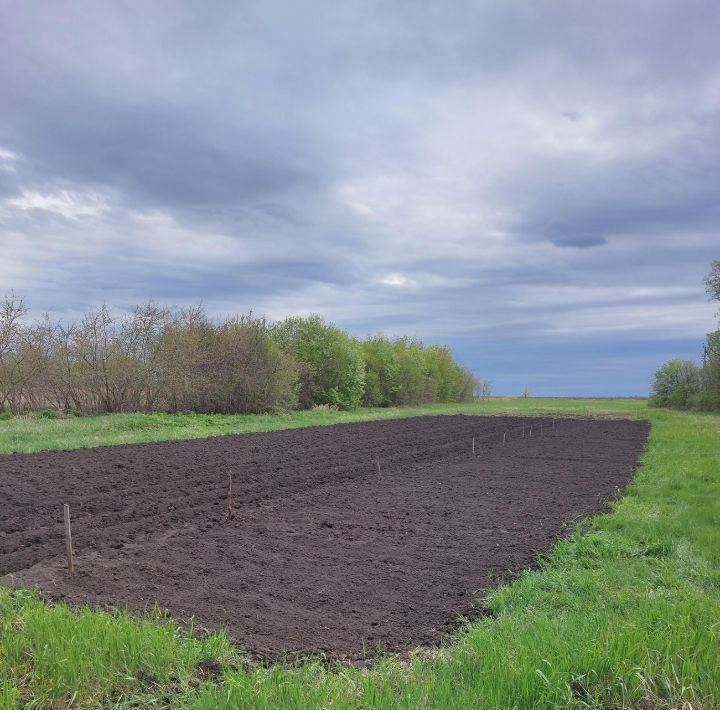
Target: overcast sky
{"points": [[536, 184]]}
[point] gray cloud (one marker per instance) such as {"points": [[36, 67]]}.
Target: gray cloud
{"points": [[503, 175]]}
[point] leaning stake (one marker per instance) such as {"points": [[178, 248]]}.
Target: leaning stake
{"points": [[377, 462], [68, 539]]}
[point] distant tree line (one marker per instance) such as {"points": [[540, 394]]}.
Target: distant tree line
{"points": [[180, 360], [685, 384]]}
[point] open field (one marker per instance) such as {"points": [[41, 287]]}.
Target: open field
{"points": [[623, 613], [322, 553]]}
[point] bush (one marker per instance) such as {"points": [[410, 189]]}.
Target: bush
{"points": [[382, 372], [405, 372], [680, 383], [447, 381], [156, 359], [332, 370], [709, 395], [233, 367], [676, 384], [412, 379], [47, 414]]}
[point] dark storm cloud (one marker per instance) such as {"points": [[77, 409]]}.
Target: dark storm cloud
{"points": [[474, 171], [155, 155]]}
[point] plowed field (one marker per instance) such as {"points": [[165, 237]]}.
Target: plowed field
{"points": [[321, 553]]}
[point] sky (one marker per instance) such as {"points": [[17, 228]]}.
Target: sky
{"points": [[535, 184]]}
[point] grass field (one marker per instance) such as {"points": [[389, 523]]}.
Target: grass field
{"points": [[624, 613]]}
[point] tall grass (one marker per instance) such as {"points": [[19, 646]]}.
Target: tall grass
{"points": [[624, 613]]}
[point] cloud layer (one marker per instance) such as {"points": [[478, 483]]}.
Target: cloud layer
{"points": [[536, 183]]}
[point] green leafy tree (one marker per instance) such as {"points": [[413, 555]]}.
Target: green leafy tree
{"points": [[680, 383], [332, 369], [413, 373], [382, 370], [157, 358], [675, 384], [448, 382], [712, 281], [709, 397]]}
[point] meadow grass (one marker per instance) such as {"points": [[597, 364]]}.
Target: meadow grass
{"points": [[625, 612], [34, 432]]}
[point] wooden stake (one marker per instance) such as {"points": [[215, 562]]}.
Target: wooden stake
{"points": [[523, 430], [473, 446], [530, 432], [540, 428], [503, 438], [68, 539], [377, 462]]}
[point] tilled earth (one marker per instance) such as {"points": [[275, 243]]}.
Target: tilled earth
{"points": [[322, 554]]}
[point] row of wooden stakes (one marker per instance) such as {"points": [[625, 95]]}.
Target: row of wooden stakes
{"points": [[66, 506]]}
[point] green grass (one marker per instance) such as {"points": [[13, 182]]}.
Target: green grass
{"points": [[624, 613], [33, 432]]}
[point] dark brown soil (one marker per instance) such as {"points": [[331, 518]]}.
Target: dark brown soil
{"points": [[322, 553]]}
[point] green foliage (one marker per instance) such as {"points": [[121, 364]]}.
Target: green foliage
{"points": [[712, 281], [440, 386], [675, 384], [405, 372], [47, 414], [412, 386], [234, 366], [25, 435], [709, 396], [682, 384], [622, 614], [332, 369], [382, 372], [6, 414], [157, 359]]}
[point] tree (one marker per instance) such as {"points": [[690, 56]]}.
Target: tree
{"points": [[413, 373], [483, 389], [675, 384], [712, 281], [22, 350], [156, 358], [710, 374], [382, 370], [332, 369], [230, 367]]}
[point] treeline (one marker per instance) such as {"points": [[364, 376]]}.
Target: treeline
{"points": [[161, 359], [686, 385]]}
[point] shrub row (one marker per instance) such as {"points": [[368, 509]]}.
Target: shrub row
{"points": [[158, 359]]}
